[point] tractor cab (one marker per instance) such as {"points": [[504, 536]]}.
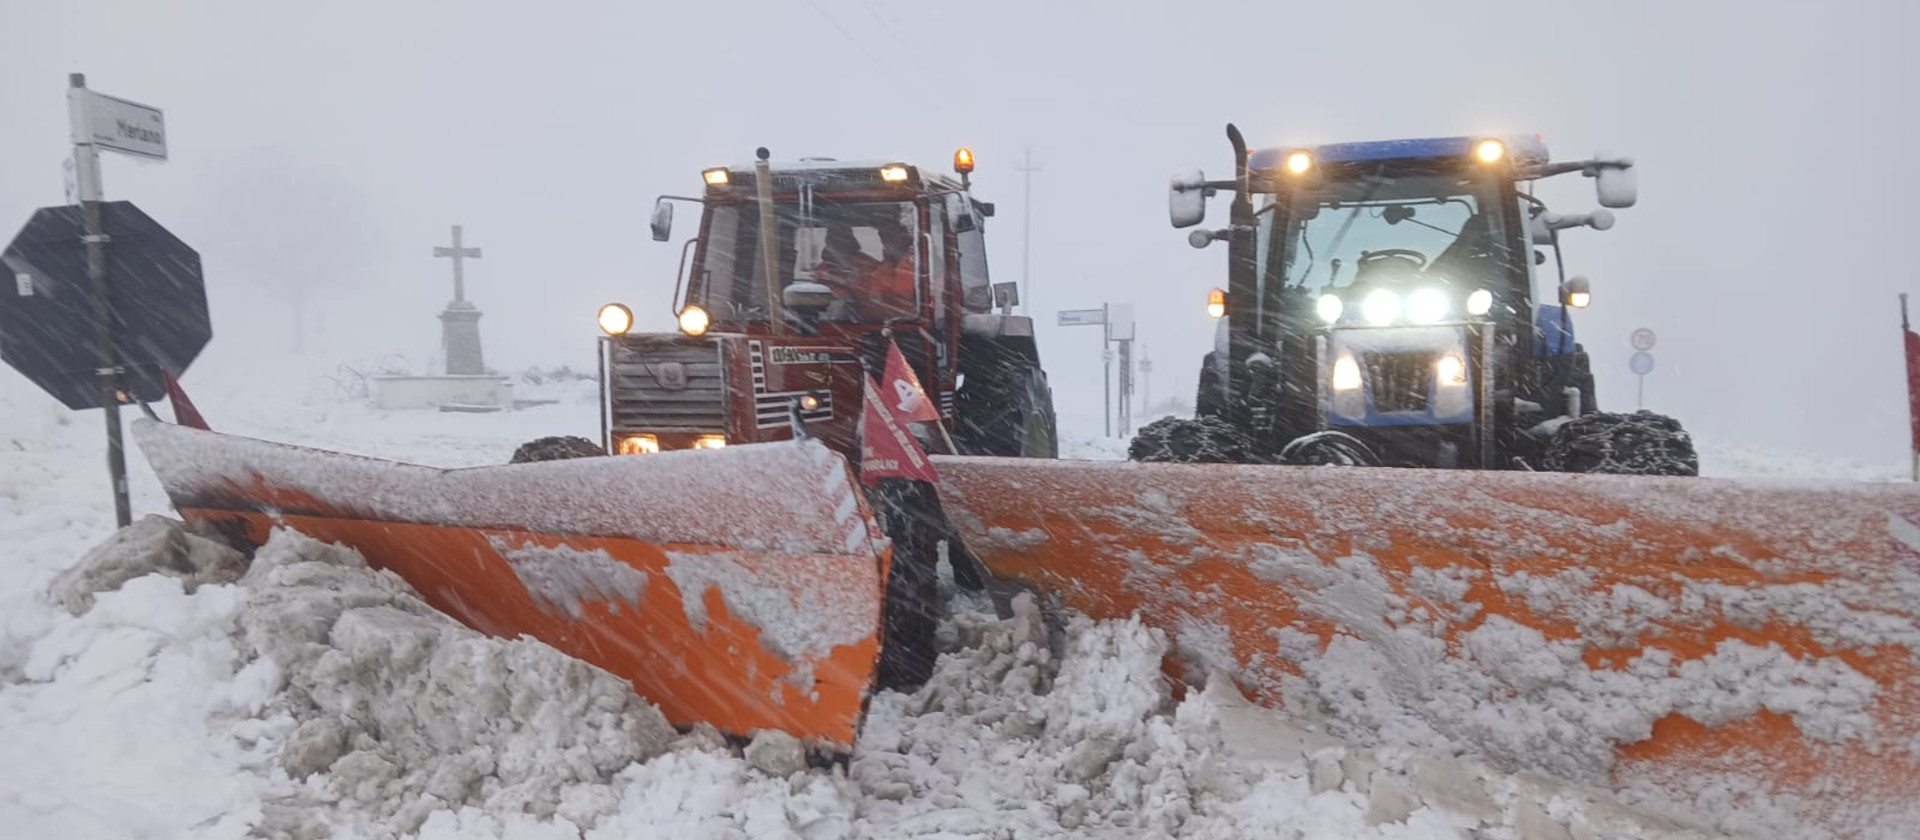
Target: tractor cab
{"points": [[1382, 300], [854, 246], [798, 279]]}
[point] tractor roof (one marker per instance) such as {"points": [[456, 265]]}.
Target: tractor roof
{"points": [[1525, 149]]}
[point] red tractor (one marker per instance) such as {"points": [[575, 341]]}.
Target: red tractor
{"points": [[800, 274]]}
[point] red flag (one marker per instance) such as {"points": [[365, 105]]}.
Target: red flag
{"points": [[886, 449], [183, 411], [905, 397]]}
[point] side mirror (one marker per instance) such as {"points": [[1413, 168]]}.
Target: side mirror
{"points": [[1614, 181], [662, 223], [1187, 198], [802, 295], [1006, 296]]}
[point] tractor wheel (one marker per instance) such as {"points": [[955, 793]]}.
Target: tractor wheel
{"points": [[1210, 399], [1008, 412], [1204, 440], [1039, 439], [557, 448], [1641, 443], [1330, 449]]}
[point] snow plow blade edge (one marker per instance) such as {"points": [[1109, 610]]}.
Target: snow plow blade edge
{"points": [[1684, 633], [738, 587]]}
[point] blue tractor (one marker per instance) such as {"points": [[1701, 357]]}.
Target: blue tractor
{"points": [[1382, 308]]}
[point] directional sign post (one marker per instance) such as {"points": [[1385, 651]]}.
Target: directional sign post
{"points": [[1082, 317], [1120, 331], [1096, 318], [46, 318]]}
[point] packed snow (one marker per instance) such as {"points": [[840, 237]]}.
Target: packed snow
{"points": [[153, 683]]}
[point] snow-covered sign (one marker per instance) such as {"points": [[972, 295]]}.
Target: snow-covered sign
{"points": [[1643, 339], [1082, 317], [120, 125]]}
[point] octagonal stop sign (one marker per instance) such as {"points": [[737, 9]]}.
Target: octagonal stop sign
{"points": [[47, 326]]}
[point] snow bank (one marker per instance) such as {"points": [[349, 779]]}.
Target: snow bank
{"points": [[314, 694], [315, 697], [400, 711]]}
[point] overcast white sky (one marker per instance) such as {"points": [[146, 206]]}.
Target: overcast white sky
{"points": [[330, 146]]}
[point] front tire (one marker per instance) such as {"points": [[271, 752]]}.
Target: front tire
{"points": [[1641, 443], [1006, 410]]}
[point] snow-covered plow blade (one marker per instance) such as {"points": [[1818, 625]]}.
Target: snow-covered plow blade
{"points": [[740, 587], [1711, 643]]}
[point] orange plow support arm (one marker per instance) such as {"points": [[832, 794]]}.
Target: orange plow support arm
{"points": [[1688, 635], [739, 587]]}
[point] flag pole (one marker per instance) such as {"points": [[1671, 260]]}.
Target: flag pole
{"points": [[1913, 420]]}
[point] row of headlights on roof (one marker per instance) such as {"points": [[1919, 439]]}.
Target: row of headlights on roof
{"points": [[1384, 307], [1487, 151]]}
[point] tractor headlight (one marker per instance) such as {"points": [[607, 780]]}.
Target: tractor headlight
{"points": [[1427, 306], [1479, 302], [1490, 151], [710, 442], [615, 319], [693, 321], [1329, 307], [1381, 308], [1451, 370], [1299, 162], [639, 445], [1346, 373]]}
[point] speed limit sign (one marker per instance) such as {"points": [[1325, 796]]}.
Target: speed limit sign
{"points": [[1643, 339]]}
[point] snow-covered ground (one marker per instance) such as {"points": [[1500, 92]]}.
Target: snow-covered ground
{"points": [[315, 697]]}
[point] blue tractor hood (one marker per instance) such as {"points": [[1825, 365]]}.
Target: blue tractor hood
{"points": [[1551, 337]]}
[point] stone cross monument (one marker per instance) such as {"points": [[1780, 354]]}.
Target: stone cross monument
{"points": [[460, 323]]}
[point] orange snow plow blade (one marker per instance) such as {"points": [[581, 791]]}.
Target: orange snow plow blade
{"points": [[1705, 638], [739, 587]]}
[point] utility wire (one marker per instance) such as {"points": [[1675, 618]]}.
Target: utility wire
{"points": [[849, 36]]}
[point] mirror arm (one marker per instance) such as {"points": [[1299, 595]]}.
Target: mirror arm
{"points": [[1589, 168], [679, 277]]}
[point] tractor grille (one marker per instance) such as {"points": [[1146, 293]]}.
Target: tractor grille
{"points": [[1400, 381], [667, 384]]}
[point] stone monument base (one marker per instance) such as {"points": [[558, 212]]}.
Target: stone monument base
{"points": [[471, 393]]}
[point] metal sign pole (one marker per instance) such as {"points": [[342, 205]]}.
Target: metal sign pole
{"points": [[1126, 386], [1640, 396], [1106, 370], [87, 173]]}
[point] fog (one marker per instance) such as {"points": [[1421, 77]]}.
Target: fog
{"points": [[327, 148]]}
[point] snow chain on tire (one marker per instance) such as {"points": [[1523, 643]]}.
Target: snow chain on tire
{"points": [[556, 448], [1205, 440], [1641, 443]]}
